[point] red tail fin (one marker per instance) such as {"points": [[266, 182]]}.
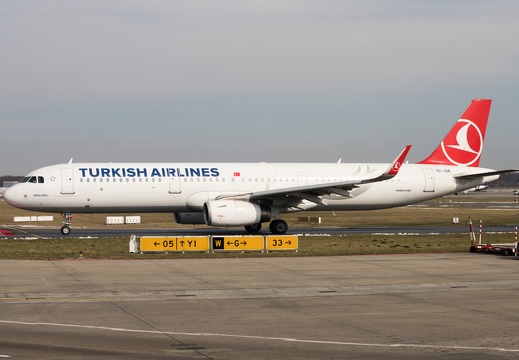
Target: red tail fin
{"points": [[463, 144]]}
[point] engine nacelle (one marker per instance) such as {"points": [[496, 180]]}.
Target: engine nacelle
{"points": [[189, 217], [235, 213]]}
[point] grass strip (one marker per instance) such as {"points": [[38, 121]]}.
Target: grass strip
{"points": [[118, 248]]}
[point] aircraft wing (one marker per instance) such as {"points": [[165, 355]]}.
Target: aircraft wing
{"points": [[342, 188], [488, 173]]}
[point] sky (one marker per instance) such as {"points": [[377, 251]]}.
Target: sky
{"points": [[251, 81]]}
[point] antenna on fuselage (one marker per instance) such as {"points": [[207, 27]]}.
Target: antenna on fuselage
{"points": [[70, 161]]}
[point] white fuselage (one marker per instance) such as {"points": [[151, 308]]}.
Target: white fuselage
{"points": [[182, 187]]}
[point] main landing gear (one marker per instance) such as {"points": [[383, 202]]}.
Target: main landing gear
{"points": [[67, 220], [276, 227]]}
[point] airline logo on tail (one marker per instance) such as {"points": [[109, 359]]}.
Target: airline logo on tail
{"points": [[395, 167], [464, 143]]}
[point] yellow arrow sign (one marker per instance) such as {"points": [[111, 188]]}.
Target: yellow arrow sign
{"points": [[158, 243], [193, 243], [282, 242], [172, 243]]}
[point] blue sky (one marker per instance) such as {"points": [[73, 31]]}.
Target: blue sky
{"points": [[250, 81]]}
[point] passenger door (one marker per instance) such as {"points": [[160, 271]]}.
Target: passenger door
{"points": [[67, 181], [429, 180]]}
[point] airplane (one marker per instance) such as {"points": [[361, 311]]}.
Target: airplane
{"points": [[250, 194], [478, 188]]}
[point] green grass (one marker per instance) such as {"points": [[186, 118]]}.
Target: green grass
{"points": [[118, 248]]}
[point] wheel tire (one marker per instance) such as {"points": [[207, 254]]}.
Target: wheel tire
{"points": [[65, 230], [253, 228], [278, 227]]}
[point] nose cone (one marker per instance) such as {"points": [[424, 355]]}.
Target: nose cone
{"points": [[11, 197]]}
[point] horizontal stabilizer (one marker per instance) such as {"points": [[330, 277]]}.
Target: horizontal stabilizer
{"points": [[489, 173]]}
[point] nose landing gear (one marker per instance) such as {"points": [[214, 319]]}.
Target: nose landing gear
{"points": [[67, 220]]}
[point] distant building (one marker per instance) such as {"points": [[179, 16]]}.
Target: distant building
{"points": [[8, 184]]}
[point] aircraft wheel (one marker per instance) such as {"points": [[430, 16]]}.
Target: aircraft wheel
{"points": [[278, 227], [65, 230], [253, 228]]}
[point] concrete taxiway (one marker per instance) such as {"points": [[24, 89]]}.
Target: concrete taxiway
{"points": [[427, 306]]}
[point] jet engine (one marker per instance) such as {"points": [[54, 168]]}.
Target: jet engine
{"points": [[235, 213], [189, 218]]}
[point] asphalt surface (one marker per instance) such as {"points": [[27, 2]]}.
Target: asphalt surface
{"points": [[115, 231], [427, 306]]}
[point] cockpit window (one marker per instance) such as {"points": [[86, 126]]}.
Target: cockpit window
{"points": [[34, 179]]}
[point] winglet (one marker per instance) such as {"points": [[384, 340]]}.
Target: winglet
{"points": [[395, 166], [392, 170]]}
